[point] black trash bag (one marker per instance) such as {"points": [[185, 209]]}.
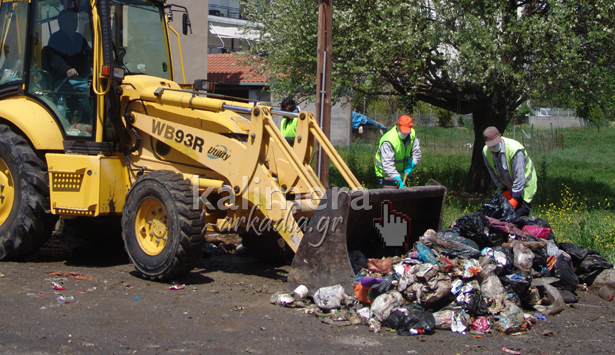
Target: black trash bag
{"points": [[499, 208], [383, 287], [533, 221], [473, 303], [461, 247], [540, 259], [395, 319], [475, 227], [591, 266], [405, 321], [520, 283], [568, 280], [510, 260], [568, 296], [512, 296], [576, 253]]}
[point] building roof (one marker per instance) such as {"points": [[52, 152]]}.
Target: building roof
{"points": [[227, 68]]}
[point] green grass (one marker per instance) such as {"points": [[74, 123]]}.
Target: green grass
{"points": [[576, 184]]}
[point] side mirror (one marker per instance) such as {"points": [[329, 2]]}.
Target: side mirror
{"points": [[186, 24]]}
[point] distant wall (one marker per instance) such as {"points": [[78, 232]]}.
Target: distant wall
{"points": [[557, 121], [341, 120], [194, 46]]}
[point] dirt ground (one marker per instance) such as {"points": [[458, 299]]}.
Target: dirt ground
{"points": [[225, 309]]}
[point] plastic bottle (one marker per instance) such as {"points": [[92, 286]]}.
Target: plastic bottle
{"points": [[605, 293], [62, 106]]}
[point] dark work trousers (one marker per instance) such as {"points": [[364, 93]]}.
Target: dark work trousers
{"points": [[523, 209]]}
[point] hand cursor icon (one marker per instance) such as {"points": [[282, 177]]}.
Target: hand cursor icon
{"points": [[393, 227]]}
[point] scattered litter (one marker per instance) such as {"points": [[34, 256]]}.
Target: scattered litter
{"points": [[329, 297], [57, 286], [506, 350], [72, 275], [282, 299], [459, 322], [65, 299], [605, 293], [481, 324], [300, 293], [176, 287]]}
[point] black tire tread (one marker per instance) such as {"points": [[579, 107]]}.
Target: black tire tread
{"points": [[32, 229]]}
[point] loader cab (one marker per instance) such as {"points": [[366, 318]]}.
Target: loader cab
{"points": [[60, 68], [47, 52]]}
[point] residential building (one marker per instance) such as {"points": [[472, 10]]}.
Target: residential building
{"points": [[227, 28]]}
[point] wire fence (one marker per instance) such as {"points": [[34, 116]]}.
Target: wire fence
{"points": [[420, 118], [536, 142]]}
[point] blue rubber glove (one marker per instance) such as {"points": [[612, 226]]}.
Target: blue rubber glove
{"points": [[401, 182], [409, 168]]}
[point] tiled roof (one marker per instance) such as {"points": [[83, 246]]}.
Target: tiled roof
{"points": [[225, 67]]}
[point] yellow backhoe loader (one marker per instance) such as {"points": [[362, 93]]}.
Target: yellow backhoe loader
{"points": [[93, 125]]}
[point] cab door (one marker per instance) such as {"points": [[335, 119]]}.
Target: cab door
{"points": [[60, 69]]}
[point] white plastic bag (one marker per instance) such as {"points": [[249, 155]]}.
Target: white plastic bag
{"points": [[330, 297], [384, 304]]}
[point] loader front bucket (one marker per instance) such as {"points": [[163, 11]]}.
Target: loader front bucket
{"points": [[343, 225]]}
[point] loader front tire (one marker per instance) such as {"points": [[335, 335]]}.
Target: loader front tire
{"points": [[162, 230], [24, 192]]}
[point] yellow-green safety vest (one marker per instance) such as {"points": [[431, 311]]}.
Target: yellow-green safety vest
{"points": [[512, 147], [402, 153], [288, 127]]}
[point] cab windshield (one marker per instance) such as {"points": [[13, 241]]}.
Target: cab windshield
{"points": [[140, 38]]}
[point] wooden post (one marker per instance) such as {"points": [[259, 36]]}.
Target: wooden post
{"points": [[323, 83]]}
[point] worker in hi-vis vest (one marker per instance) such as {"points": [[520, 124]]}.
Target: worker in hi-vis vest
{"points": [[399, 152], [288, 126], [511, 170]]}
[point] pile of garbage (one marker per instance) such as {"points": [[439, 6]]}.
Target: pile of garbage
{"points": [[483, 274]]}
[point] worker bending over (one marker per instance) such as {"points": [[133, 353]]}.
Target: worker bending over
{"points": [[511, 170], [399, 152]]}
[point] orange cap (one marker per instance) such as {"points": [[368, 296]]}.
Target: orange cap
{"points": [[405, 123]]}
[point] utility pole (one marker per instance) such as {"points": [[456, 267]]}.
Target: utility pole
{"points": [[323, 84]]}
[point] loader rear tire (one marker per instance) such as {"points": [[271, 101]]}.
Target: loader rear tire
{"points": [[24, 198], [162, 230]]}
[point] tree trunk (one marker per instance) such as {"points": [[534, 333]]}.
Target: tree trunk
{"points": [[484, 115]]}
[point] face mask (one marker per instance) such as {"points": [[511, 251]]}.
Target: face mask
{"points": [[402, 136], [496, 148]]}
